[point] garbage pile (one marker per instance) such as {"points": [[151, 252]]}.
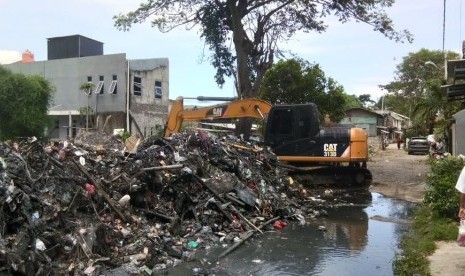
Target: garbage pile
{"points": [[90, 208]]}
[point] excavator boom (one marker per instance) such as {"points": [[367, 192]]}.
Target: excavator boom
{"points": [[252, 108], [294, 134]]}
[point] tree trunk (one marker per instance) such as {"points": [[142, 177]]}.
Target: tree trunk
{"points": [[244, 128], [242, 45]]}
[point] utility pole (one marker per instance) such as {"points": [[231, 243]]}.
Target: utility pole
{"points": [[444, 40]]}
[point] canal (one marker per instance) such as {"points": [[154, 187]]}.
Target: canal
{"points": [[353, 239]]}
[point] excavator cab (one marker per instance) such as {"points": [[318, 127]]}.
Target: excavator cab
{"points": [[335, 155], [289, 124]]}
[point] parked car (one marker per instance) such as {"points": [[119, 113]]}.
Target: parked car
{"points": [[418, 145]]}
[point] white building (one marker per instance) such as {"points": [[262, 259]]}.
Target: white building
{"points": [[128, 94]]}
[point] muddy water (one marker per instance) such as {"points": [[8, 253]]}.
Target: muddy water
{"points": [[354, 239]]}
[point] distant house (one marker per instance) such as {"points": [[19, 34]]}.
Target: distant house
{"points": [[378, 124], [363, 118], [394, 123]]}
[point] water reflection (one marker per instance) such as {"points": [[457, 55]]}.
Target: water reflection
{"points": [[348, 226], [346, 242]]}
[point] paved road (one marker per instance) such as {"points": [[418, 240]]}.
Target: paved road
{"points": [[448, 259]]}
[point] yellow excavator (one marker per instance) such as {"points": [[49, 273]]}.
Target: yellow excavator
{"points": [[330, 155]]}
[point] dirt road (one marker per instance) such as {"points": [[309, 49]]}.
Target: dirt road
{"points": [[399, 175]]}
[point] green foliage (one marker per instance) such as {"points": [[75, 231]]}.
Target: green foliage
{"points": [[366, 100], [24, 101], [86, 110], [442, 197], [435, 220], [416, 69], [296, 82], [416, 91], [87, 87], [244, 35], [352, 101], [125, 135], [428, 107], [391, 102], [427, 228]]}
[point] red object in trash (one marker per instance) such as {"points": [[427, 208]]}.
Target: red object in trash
{"points": [[252, 186], [279, 224], [90, 189]]}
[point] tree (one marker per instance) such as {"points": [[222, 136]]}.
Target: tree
{"points": [[244, 35], [87, 88], [366, 100], [416, 91], [352, 101], [296, 82], [412, 75], [428, 108], [24, 101]]}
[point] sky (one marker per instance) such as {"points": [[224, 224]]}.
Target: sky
{"points": [[354, 55]]}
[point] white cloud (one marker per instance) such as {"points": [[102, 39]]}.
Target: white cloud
{"points": [[9, 56]]}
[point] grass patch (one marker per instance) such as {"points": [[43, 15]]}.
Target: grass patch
{"points": [[435, 220], [428, 227]]}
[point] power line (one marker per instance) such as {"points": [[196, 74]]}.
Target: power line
{"points": [[444, 27]]}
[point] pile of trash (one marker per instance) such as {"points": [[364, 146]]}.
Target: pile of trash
{"points": [[142, 206]]}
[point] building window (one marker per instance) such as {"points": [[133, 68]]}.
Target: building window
{"points": [[99, 88], [89, 78], [114, 85], [158, 90], [137, 86]]}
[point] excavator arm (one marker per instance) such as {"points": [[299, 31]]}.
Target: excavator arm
{"points": [[294, 135], [252, 108]]}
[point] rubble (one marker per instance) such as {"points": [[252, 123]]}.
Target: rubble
{"points": [[90, 208]]}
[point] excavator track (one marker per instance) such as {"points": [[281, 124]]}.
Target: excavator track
{"points": [[331, 176]]}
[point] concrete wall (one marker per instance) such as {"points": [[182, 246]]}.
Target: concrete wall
{"points": [[375, 143], [150, 119], [67, 75], [149, 111], [459, 133]]}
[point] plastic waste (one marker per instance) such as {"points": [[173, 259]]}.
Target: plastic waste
{"points": [[40, 245], [35, 217], [461, 234], [193, 244], [123, 201], [279, 224], [90, 189]]}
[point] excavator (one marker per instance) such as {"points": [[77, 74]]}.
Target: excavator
{"points": [[314, 155]]}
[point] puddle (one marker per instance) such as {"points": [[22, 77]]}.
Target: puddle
{"points": [[352, 240]]}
